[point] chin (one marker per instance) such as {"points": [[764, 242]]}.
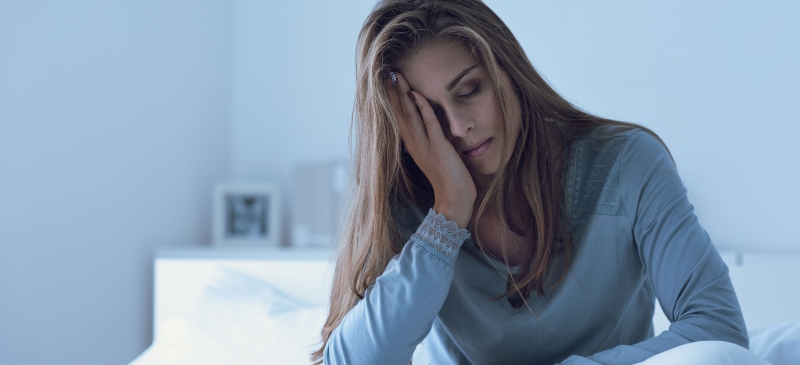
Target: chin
{"points": [[487, 172], [483, 171], [490, 168]]}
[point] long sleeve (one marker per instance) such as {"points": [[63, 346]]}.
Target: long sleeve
{"points": [[397, 312], [683, 268]]}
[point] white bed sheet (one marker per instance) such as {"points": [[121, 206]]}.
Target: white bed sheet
{"points": [[270, 312]]}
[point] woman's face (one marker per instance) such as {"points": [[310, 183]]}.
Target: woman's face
{"points": [[460, 91]]}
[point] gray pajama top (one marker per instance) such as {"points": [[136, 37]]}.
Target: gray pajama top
{"points": [[636, 239]]}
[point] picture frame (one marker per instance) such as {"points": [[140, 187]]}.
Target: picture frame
{"points": [[246, 215]]}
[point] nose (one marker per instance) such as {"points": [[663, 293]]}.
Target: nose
{"points": [[457, 123]]}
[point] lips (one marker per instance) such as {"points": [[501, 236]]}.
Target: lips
{"points": [[479, 150]]}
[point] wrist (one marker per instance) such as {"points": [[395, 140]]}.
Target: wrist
{"points": [[458, 214]]}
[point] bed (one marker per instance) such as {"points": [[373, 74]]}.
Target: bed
{"points": [[266, 306]]}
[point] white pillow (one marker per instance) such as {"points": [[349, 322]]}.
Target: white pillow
{"points": [[181, 343], [240, 319], [778, 344], [706, 353]]}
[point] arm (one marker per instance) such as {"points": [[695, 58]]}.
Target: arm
{"points": [[684, 269], [398, 311]]}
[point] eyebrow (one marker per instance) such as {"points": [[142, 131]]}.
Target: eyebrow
{"points": [[455, 81]]}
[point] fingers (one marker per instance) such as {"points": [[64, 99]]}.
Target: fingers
{"points": [[432, 126], [413, 119], [417, 120]]}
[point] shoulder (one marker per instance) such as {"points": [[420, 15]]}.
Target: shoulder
{"points": [[648, 176], [601, 144], [598, 151], [606, 161], [630, 153], [644, 157], [620, 144], [611, 134]]}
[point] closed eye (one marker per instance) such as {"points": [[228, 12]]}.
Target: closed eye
{"points": [[474, 92]]}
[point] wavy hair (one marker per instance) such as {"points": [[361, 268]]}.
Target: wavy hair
{"points": [[386, 176]]}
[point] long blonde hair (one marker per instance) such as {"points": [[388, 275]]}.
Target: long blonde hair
{"points": [[385, 176]]}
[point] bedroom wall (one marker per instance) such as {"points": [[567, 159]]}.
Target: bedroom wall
{"points": [[114, 123], [292, 84], [716, 80]]}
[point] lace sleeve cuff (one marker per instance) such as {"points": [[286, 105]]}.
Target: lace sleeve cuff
{"points": [[440, 236]]}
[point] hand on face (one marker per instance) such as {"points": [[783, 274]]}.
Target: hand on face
{"points": [[422, 135]]}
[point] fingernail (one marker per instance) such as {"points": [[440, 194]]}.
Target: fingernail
{"points": [[393, 76], [410, 95]]}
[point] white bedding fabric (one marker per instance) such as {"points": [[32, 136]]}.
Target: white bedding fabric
{"points": [[706, 353], [778, 344], [241, 319]]}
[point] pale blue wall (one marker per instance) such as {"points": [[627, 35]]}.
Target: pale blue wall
{"points": [[114, 123], [293, 85]]}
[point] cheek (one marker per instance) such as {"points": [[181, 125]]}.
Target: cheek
{"points": [[494, 114]]}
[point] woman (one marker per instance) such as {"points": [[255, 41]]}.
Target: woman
{"points": [[510, 225]]}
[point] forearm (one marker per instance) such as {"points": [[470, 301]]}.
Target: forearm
{"points": [[630, 354], [680, 333], [397, 312]]}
